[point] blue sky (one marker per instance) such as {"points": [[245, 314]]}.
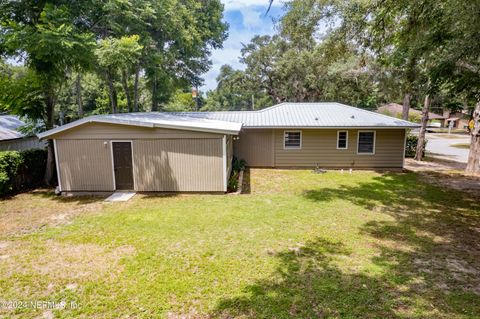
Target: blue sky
{"points": [[246, 19]]}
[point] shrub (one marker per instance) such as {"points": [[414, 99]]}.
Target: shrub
{"points": [[233, 182], [411, 146], [32, 170], [21, 170], [10, 162], [237, 166]]}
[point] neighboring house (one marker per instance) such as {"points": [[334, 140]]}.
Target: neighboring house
{"points": [[192, 151], [13, 140], [396, 110], [458, 120]]}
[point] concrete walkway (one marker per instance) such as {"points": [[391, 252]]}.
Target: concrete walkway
{"points": [[120, 196], [439, 146]]}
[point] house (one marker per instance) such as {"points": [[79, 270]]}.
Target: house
{"points": [[458, 120], [396, 110], [192, 151], [13, 140]]}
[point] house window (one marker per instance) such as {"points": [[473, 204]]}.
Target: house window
{"points": [[366, 142], [292, 140], [342, 140]]}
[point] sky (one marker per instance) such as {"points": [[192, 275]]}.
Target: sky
{"points": [[246, 19]]}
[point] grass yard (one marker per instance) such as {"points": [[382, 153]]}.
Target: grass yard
{"points": [[299, 245]]}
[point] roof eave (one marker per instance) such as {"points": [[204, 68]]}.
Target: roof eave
{"points": [[201, 129], [69, 126], [60, 129], [332, 127]]}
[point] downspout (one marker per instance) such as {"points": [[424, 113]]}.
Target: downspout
{"points": [[224, 146], [55, 151]]}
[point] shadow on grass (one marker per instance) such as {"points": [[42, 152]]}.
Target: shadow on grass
{"points": [[246, 187], [428, 256], [79, 200]]}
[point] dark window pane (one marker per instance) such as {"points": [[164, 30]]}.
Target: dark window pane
{"points": [[292, 139], [365, 142], [342, 140]]}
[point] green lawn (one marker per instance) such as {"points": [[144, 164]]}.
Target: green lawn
{"points": [[299, 245]]}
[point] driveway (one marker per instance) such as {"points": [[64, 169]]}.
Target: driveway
{"points": [[439, 146]]}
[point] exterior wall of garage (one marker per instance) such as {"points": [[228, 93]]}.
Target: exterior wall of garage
{"points": [[265, 148], [186, 165], [163, 159], [256, 147]]}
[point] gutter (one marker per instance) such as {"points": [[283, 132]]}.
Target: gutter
{"points": [[329, 127]]}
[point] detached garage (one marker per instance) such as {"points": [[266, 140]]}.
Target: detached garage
{"points": [[154, 152]]}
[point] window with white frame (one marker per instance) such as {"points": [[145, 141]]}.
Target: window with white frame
{"points": [[342, 140], [366, 142], [292, 140]]}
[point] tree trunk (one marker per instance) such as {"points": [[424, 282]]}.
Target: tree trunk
{"points": [[79, 94], [154, 94], [406, 106], [112, 93], [421, 136], [127, 90], [135, 89], [473, 164], [49, 121]]}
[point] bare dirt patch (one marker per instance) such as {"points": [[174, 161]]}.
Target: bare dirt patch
{"points": [[28, 212], [62, 261], [445, 173]]}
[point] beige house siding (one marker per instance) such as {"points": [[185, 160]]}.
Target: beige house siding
{"points": [[187, 165], [84, 165], [21, 144], [320, 146], [256, 147], [122, 132], [163, 159]]}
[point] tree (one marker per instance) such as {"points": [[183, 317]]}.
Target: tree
{"points": [[49, 37], [473, 164], [181, 102], [421, 136], [235, 91], [118, 58], [178, 42]]}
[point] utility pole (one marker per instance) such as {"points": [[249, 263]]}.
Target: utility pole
{"points": [[253, 102]]}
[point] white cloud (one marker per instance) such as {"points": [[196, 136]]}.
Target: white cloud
{"points": [[252, 18], [254, 22], [239, 4]]}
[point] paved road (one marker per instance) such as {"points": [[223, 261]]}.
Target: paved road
{"points": [[439, 145]]}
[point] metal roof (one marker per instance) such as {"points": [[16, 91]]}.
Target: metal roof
{"points": [[284, 115], [8, 127], [307, 115], [154, 119]]}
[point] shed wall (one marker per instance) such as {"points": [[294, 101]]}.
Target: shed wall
{"points": [[163, 159], [119, 131], [187, 165], [84, 165]]}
